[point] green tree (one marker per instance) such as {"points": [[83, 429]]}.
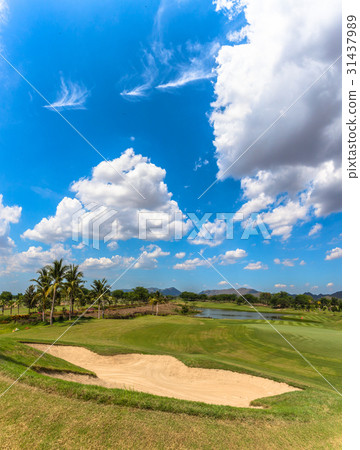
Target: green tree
{"points": [[101, 290], [141, 294], [189, 296], [265, 298], [73, 285], [157, 298], [43, 289], [30, 299], [57, 272], [5, 299], [118, 295]]}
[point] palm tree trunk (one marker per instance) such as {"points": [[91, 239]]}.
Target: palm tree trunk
{"points": [[157, 308], [52, 307], [43, 314], [99, 310], [70, 308], [18, 308]]}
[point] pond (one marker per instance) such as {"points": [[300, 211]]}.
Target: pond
{"points": [[233, 314]]}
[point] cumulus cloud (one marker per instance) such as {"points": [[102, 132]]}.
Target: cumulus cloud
{"points": [[191, 264], [335, 253], [113, 245], [223, 283], [71, 96], [34, 258], [232, 256], [58, 227], [302, 150], [108, 203], [8, 215], [330, 285], [149, 257], [118, 261], [282, 219], [256, 266], [230, 8], [279, 285], [315, 229], [148, 260], [211, 234], [288, 262], [180, 255], [229, 257]]}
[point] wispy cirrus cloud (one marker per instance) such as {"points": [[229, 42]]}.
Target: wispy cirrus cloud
{"points": [[148, 76], [71, 96], [189, 75]]}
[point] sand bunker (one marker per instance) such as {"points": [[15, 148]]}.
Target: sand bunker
{"points": [[166, 376]]}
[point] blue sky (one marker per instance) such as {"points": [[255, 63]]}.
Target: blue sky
{"points": [[188, 86]]}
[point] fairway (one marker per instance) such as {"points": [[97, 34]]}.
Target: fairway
{"points": [[244, 347]]}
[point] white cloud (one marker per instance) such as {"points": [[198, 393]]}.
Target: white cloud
{"points": [[335, 253], [229, 257], [288, 262], [58, 227], [256, 266], [148, 76], [223, 283], [301, 151], [211, 233], [110, 198], [279, 285], [330, 285], [232, 256], [191, 264], [148, 258], [118, 261], [113, 245], [8, 215], [255, 205], [180, 255], [189, 75], [315, 229], [302, 263], [282, 219], [231, 8], [34, 258], [71, 96], [199, 163]]}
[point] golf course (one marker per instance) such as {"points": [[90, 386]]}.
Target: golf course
{"points": [[48, 404]]}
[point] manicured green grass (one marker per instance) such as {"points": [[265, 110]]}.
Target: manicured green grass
{"points": [[244, 346]]}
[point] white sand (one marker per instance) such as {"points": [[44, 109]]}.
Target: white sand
{"points": [[166, 376]]}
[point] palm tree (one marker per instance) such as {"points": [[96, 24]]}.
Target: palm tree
{"points": [[57, 272], [73, 285], [101, 289], [156, 299], [44, 288], [29, 298]]}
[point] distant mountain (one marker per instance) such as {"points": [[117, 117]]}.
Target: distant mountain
{"points": [[167, 291], [239, 291], [337, 294]]}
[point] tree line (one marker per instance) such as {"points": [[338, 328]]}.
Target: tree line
{"points": [[58, 283], [278, 300]]}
